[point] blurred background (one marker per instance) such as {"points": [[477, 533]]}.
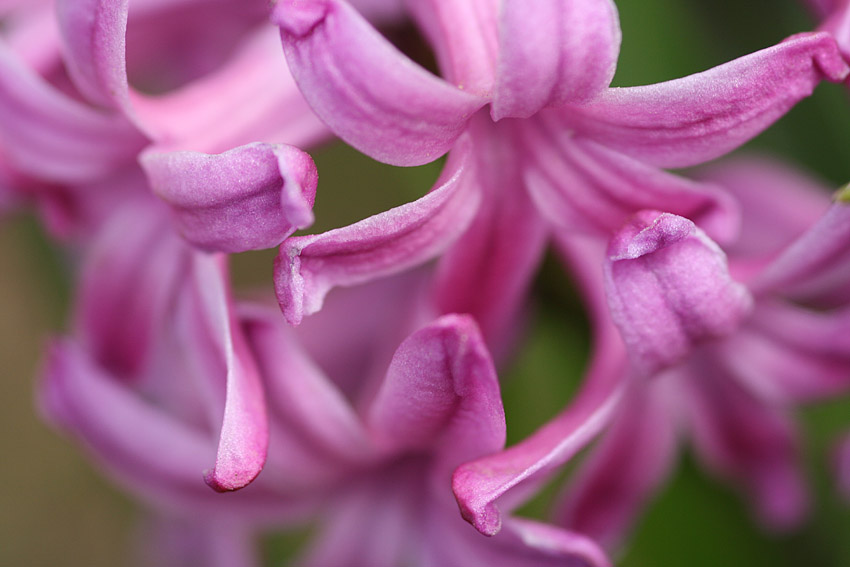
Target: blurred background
{"points": [[57, 510]]}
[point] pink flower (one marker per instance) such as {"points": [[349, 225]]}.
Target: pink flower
{"points": [[556, 142]]}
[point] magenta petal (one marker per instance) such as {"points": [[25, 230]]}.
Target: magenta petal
{"points": [[816, 266], [578, 183], [244, 437], [143, 447], [441, 388], [700, 117], [370, 95], [669, 288], [479, 483], [558, 52], [248, 198], [94, 40], [50, 136], [134, 251], [307, 267], [632, 461]]}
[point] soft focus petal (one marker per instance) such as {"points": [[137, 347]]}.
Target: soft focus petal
{"points": [[815, 267], [50, 136], [307, 267], [131, 275], [94, 41], [370, 95], [219, 342], [441, 392], [630, 464], [558, 52], [181, 542], [669, 288], [251, 197], [743, 439], [579, 184], [700, 117]]}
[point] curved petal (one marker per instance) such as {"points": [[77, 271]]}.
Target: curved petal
{"points": [[52, 137], [630, 464], [700, 117], [94, 45], [743, 439], [248, 198], [132, 273], [814, 267], [669, 289], [441, 393], [370, 95], [580, 184], [559, 52], [219, 342], [307, 267]]}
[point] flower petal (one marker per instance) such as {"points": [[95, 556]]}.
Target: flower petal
{"points": [[441, 393], [52, 137], [631, 462], [248, 198], [700, 117], [579, 184], [370, 95], [559, 52], [219, 343], [307, 267], [669, 288]]}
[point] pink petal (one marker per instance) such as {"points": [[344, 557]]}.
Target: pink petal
{"points": [[134, 251], [579, 184], [559, 52], [814, 267], [745, 440], [94, 40], [369, 94], [307, 267], [700, 117], [248, 198], [219, 342], [669, 289], [479, 483], [631, 463], [441, 394], [487, 272], [50, 136]]}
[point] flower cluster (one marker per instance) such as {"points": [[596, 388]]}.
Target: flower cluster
{"points": [[718, 301]]}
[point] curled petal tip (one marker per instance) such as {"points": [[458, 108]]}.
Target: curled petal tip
{"points": [[220, 484], [486, 519], [298, 17], [649, 232], [289, 283]]}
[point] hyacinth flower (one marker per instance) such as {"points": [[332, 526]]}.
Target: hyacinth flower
{"points": [[726, 350], [548, 142], [367, 453]]}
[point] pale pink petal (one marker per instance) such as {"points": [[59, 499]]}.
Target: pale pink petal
{"points": [[669, 289], [743, 439], [558, 52], [836, 14], [219, 344], [168, 541], [369, 94], [248, 198], [581, 185], [441, 394], [631, 463], [50, 136], [700, 117], [307, 267]]}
